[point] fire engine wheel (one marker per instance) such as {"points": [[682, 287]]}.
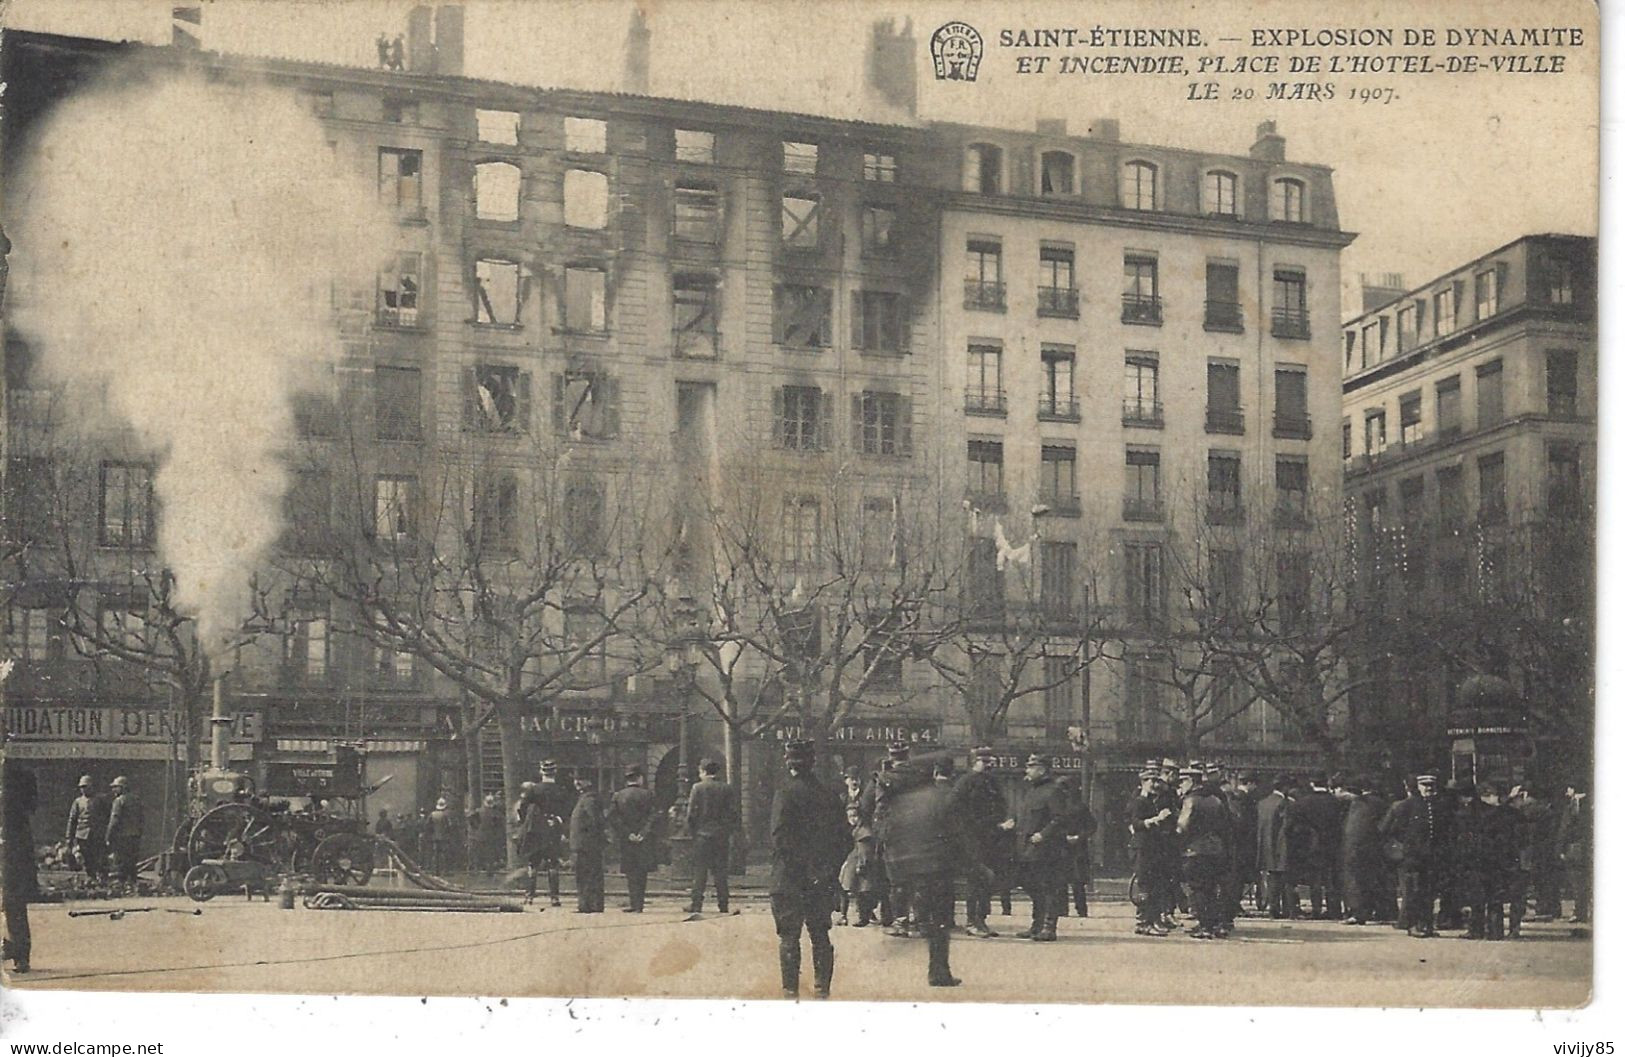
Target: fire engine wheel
{"points": [[343, 858], [203, 881], [234, 831]]}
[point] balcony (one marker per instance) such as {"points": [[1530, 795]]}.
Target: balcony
{"points": [[1147, 414], [1289, 323], [1058, 302], [1144, 309], [1292, 427], [1058, 409], [1070, 505], [1136, 508], [1225, 510], [688, 344], [1222, 316], [1226, 420], [984, 295], [1291, 516], [983, 401]]}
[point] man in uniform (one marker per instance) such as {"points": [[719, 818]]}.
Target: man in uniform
{"points": [[87, 827], [980, 802], [1422, 826], [713, 815], [124, 826], [529, 835], [1042, 817], [556, 803], [809, 834], [1540, 818], [1204, 828], [587, 848], [894, 901], [632, 817], [1148, 825], [1574, 845]]}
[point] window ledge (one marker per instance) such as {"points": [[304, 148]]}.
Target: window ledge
{"points": [[480, 325], [804, 349], [883, 354], [573, 332], [400, 328]]}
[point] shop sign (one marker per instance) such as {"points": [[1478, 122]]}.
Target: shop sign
{"points": [[1016, 760], [109, 750], [110, 724], [915, 732], [593, 725]]}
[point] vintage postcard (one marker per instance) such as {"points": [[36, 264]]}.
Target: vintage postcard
{"points": [[883, 501]]}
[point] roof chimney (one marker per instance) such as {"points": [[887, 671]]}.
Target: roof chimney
{"points": [[420, 39], [448, 41], [1106, 129], [1270, 145], [635, 64], [891, 64], [1052, 126]]}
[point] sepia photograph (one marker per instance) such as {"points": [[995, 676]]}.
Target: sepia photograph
{"points": [[884, 501]]}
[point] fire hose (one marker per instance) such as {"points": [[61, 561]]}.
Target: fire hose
{"points": [[357, 897]]}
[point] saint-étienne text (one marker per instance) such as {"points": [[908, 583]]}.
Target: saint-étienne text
{"points": [[1099, 37]]}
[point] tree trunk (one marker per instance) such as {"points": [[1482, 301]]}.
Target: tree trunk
{"points": [[472, 769], [733, 753], [514, 770]]}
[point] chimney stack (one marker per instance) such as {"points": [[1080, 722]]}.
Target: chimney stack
{"points": [[890, 70], [635, 70], [448, 41], [1105, 129], [1270, 145]]}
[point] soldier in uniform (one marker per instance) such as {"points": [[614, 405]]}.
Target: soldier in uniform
{"points": [[556, 802], [980, 802], [632, 817], [19, 877], [587, 848], [1499, 866], [1148, 822], [529, 835], [1204, 828], [713, 815], [1042, 816], [87, 830], [124, 826], [809, 834], [1422, 826], [894, 905]]}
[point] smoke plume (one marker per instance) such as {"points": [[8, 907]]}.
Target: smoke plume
{"points": [[176, 245]]}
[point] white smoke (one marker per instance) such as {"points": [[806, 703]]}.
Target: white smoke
{"points": [[175, 244]]}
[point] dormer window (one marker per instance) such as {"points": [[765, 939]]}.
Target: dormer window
{"points": [[1139, 185], [984, 169], [1288, 202], [1219, 193], [1056, 174]]}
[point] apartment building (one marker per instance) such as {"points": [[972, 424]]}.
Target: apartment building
{"points": [[1469, 450]]}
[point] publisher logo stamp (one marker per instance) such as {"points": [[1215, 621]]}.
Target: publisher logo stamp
{"points": [[956, 51]]}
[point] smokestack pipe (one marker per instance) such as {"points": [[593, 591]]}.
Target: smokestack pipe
{"points": [[219, 728]]}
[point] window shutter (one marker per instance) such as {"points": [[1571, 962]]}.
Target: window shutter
{"points": [[778, 416], [471, 399], [905, 426], [611, 390], [560, 422], [521, 408], [857, 319], [857, 421], [826, 420]]}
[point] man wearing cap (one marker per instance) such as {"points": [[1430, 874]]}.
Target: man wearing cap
{"points": [[1150, 823], [530, 836], [1322, 816], [713, 815], [1204, 827], [929, 847], [556, 802], [1279, 895], [1422, 826], [87, 826], [587, 840], [894, 899], [124, 827], [980, 802], [632, 817], [808, 829], [1042, 814]]}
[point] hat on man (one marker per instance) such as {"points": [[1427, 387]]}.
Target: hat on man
{"points": [[1149, 772], [525, 786], [120, 782], [898, 750], [798, 752], [984, 752], [1038, 759], [85, 782], [1193, 772], [634, 771], [1213, 770], [1169, 764], [550, 766], [1427, 779], [1151, 764]]}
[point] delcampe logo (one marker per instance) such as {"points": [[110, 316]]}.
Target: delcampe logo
{"points": [[956, 51]]}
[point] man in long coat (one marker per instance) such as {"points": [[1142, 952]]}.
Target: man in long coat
{"points": [[632, 817], [587, 848], [1361, 851], [810, 836], [1271, 845]]}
